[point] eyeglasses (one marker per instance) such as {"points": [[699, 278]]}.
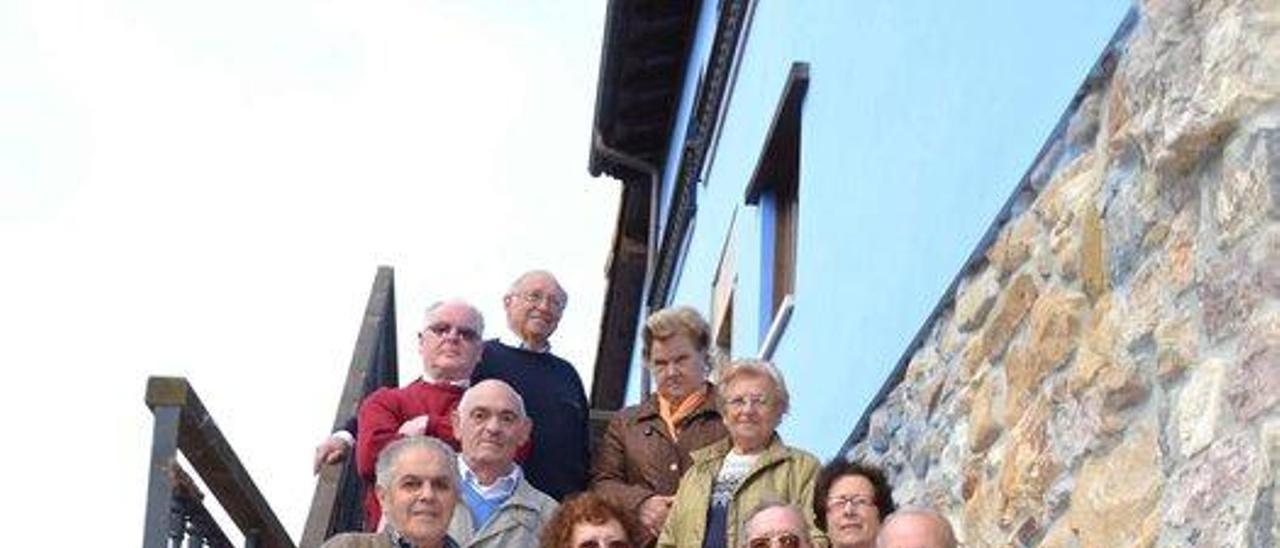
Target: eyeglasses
{"points": [[593, 543], [534, 297], [785, 540], [442, 329], [849, 501], [741, 402]]}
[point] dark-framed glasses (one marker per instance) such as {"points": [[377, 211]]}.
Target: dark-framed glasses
{"points": [[442, 329], [785, 540]]}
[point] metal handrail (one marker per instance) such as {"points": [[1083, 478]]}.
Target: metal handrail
{"points": [[183, 423], [336, 503]]}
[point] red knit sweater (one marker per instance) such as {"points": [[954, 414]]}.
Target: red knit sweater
{"points": [[380, 417]]}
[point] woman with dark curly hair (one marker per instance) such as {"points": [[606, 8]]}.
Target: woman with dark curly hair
{"points": [[588, 520], [851, 500]]}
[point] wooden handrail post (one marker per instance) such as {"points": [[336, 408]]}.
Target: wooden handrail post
{"points": [[164, 447], [336, 504], [183, 423]]}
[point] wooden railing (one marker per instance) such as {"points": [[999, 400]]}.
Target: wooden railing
{"points": [[336, 504], [175, 511]]}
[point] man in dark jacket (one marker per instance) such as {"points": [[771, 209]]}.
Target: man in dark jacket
{"points": [[646, 448]]}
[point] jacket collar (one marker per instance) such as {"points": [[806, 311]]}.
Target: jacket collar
{"points": [[774, 452], [519, 510], [648, 409]]}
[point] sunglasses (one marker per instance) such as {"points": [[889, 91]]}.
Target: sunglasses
{"points": [[785, 540], [443, 329]]}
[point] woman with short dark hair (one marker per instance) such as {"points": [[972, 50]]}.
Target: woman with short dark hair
{"points": [[851, 500]]}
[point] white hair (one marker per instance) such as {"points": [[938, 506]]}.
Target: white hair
{"points": [[390, 456], [430, 316]]}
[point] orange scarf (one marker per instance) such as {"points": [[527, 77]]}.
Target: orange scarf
{"points": [[685, 408]]}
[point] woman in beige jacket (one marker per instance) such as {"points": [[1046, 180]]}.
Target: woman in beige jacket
{"points": [[730, 478]]}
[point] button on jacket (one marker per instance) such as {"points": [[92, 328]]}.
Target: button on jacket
{"points": [[780, 473]]}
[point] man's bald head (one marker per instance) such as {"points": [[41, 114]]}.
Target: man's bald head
{"points": [[916, 528]]}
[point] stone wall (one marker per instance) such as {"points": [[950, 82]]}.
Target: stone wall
{"points": [[1109, 374]]}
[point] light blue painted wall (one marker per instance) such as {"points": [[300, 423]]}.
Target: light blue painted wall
{"points": [[921, 117]]}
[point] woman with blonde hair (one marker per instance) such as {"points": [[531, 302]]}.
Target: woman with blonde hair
{"points": [[752, 466]]}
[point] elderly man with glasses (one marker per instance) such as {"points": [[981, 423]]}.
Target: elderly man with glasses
{"points": [[776, 525], [450, 347], [552, 390]]}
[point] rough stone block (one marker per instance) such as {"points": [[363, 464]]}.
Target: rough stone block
{"points": [[1199, 406], [1092, 256], [1131, 212], [1266, 254], [1122, 386], [1228, 294], [1255, 385], [1181, 246], [1016, 302], [1190, 72], [1013, 247], [1073, 429], [1030, 467], [976, 300], [1117, 493], [1246, 190], [985, 425], [982, 524], [1214, 495], [1055, 326], [1177, 347], [1146, 302], [1271, 448]]}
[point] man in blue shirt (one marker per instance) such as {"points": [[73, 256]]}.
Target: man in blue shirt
{"points": [[498, 507]]}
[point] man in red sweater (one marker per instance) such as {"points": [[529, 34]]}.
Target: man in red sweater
{"points": [[450, 346]]}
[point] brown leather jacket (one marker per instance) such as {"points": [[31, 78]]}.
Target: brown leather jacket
{"points": [[637, 458]]}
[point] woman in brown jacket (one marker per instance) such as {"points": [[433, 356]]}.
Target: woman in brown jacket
{"points": [[646, 448]]}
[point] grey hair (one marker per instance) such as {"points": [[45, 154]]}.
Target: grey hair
{"points": [[462, 403], [429, 315], [766, 504], [754, 368], [390, 456], [515, 286], [944, 527]]}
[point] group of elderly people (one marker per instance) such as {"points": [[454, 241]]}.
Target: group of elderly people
{"points": [[696, 464]]}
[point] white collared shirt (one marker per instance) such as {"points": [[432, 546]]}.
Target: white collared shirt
{"points": [[500, 489], [427, 378]]}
